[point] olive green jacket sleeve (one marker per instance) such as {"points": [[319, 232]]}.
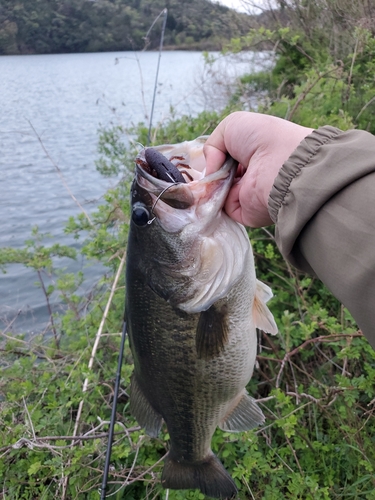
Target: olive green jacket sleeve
{"points": [[323, 205]]}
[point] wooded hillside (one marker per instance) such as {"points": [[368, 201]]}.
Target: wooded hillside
{"points": [[54, 26]]}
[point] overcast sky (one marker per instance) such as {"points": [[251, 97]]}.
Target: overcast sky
{"points": [[240, 5], [234, 4]]}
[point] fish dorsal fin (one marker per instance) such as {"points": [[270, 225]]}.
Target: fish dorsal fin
{"points": [[245, 415], [263, 318], [212, 331]]}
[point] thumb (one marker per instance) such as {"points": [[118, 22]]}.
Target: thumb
{"points": [[214, 157]]}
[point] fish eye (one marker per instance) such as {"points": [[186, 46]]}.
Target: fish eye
{"points": [[140, 214]]}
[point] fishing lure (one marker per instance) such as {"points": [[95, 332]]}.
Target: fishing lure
{"points": [[164, 168]]}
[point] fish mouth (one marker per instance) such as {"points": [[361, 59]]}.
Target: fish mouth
{"points": [[175, 174]]}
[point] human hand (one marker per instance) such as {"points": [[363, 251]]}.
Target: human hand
{"points": [[261, 144]]}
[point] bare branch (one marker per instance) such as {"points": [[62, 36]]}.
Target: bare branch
{"points": [[322, 338], [60, 174]]}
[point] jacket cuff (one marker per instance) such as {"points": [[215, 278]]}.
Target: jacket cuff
{"points": [[292, 167]]}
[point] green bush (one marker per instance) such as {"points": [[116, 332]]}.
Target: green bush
{"points": [[315, 381]]}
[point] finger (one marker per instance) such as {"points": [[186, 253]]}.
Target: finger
{"points": [[240, 172], [232, 204], [234, 135], [249, 213], [214, 158], [215, 150]]}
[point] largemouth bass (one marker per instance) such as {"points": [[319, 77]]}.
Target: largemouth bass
{"points": [[193, 304]]}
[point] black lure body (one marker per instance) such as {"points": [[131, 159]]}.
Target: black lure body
{"points": [[164, 168]]}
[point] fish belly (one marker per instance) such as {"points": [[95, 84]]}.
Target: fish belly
{"points": [[191, 394]]}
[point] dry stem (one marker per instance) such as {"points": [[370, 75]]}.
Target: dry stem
{"points": [[97, 338], [322, 338], [91, 361], [60, 174]]}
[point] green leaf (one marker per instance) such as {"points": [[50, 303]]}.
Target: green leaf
{"points": [[34, 468]]}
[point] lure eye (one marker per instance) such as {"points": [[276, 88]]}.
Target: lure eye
{"points": [[140, 215]]}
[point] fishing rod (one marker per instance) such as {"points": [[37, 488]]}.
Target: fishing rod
{"points": [[165, 12], [103, 489]]}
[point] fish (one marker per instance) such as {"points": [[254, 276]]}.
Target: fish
{"points": [[193, 305]]}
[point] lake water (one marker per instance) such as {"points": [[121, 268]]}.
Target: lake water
{"points": [[64, 99]]}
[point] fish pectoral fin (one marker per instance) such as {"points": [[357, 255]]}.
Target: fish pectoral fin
{"points": [[207, 475], [212, 331], [263, 318], [142, 411], [244, 416]]}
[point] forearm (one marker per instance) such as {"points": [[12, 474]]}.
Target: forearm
{"points": [[323, 204]]}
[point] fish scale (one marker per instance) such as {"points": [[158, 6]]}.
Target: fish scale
{"points": [[192, 307]]}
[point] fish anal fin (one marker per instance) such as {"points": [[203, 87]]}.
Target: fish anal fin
{"points": [[212, 331], [243, 416], [142, 411], [263, 318], [209, 476]]}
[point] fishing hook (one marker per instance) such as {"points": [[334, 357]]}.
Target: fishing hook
{"points": [[157, 199]]}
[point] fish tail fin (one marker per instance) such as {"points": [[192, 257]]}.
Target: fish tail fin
{"points": [[209, 476]]}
